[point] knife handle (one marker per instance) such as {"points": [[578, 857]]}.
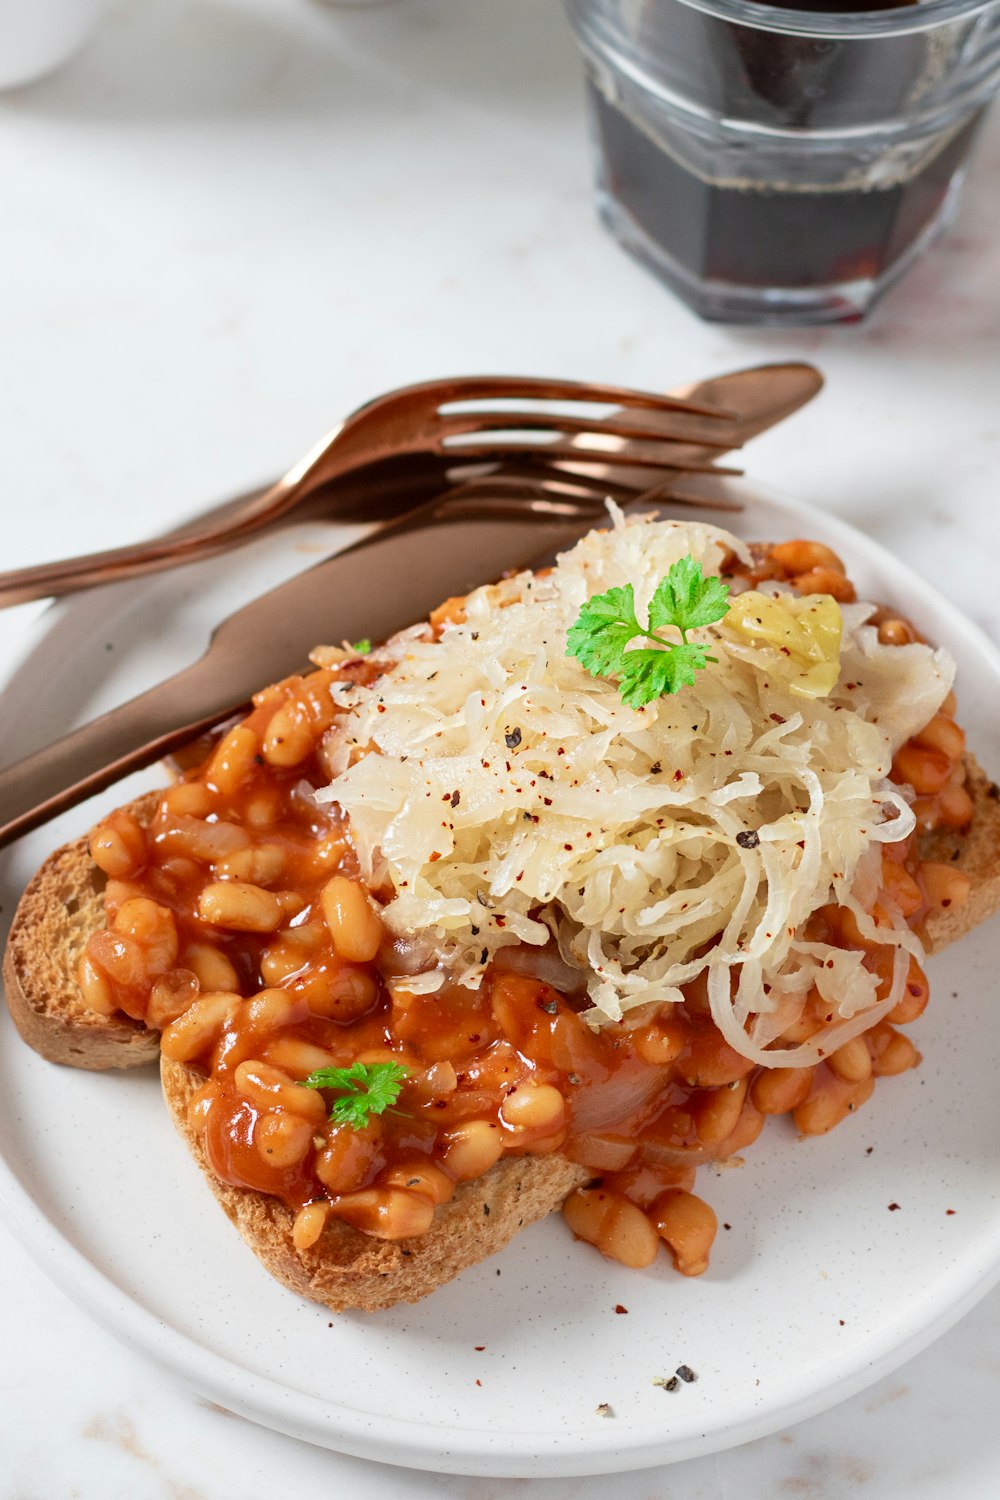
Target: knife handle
{"points": [[90, 759]]}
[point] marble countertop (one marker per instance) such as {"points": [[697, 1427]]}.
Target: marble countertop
{"points": [[226, 223]]}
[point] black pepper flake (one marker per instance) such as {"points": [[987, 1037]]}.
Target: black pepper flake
{"points": [[727, 1226], [668, 1385], [748, 839], [475, 931], [869, 1150], [893, 1207], [512, 738], [475, 635], [484, 955], [655, 768], [686, 1374], [258, 760], [550, 1007], [456, 797], [573, 1078]]}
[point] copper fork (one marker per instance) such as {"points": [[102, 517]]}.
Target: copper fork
{"points": [[447, 418]]}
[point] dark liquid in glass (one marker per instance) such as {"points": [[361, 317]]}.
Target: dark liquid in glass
{"points": [[760, 235]]}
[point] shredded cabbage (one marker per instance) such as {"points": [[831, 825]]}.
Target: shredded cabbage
{"points": [[500, 794]]}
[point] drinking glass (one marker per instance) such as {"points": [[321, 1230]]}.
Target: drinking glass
{"points": [[779, 165]]}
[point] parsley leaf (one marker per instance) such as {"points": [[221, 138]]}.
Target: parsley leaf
{"points": [[603, 629], [362, 647], [647, 674], [607, 625], [687, 599], [365, 1089]]}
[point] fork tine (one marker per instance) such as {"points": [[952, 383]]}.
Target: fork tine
{"points": [[616, 424], [535, 388], [579, 454], [585, 491]]}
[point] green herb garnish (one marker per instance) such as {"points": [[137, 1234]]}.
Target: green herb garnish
{"points": [[607, 624], [362, 647], [365, 1089]]}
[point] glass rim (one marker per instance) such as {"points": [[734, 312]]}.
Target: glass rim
{"points": [[924, 16]]}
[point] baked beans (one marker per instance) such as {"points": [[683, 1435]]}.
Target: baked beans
{"points": [[238, 924]]}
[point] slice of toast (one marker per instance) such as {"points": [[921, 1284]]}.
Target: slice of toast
{"points": [[61, 907], [348, 1269]]}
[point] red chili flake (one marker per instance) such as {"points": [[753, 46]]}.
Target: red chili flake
{"points": [[778, 719], [893, 1207], [456, 798], [479, 1348], [434, 855], [500, 921], [479, 1382], [568, 846], [678, 775], [619, 1308], [841, 1322], [949, 1211]]}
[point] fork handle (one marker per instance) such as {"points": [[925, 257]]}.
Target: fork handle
{"points": [[399, 486]]}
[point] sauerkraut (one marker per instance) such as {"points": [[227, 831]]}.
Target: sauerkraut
{"points": [[500, 795]]}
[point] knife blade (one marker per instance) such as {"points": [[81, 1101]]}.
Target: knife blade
{"points": [[380, 585]]}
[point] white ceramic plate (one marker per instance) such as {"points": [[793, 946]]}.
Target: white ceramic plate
{"points": [[816, 1290]]}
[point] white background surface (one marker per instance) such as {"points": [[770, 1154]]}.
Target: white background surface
{"points": [[226, 223]]}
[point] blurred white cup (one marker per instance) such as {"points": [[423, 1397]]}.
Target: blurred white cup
{"points": [[37, 36]]}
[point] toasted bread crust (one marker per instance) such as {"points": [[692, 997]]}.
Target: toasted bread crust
{"points": [[976, 853], [348, 1269], [61, 907]]}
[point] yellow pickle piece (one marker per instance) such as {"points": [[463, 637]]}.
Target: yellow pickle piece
{"points": [[801, 635]]}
